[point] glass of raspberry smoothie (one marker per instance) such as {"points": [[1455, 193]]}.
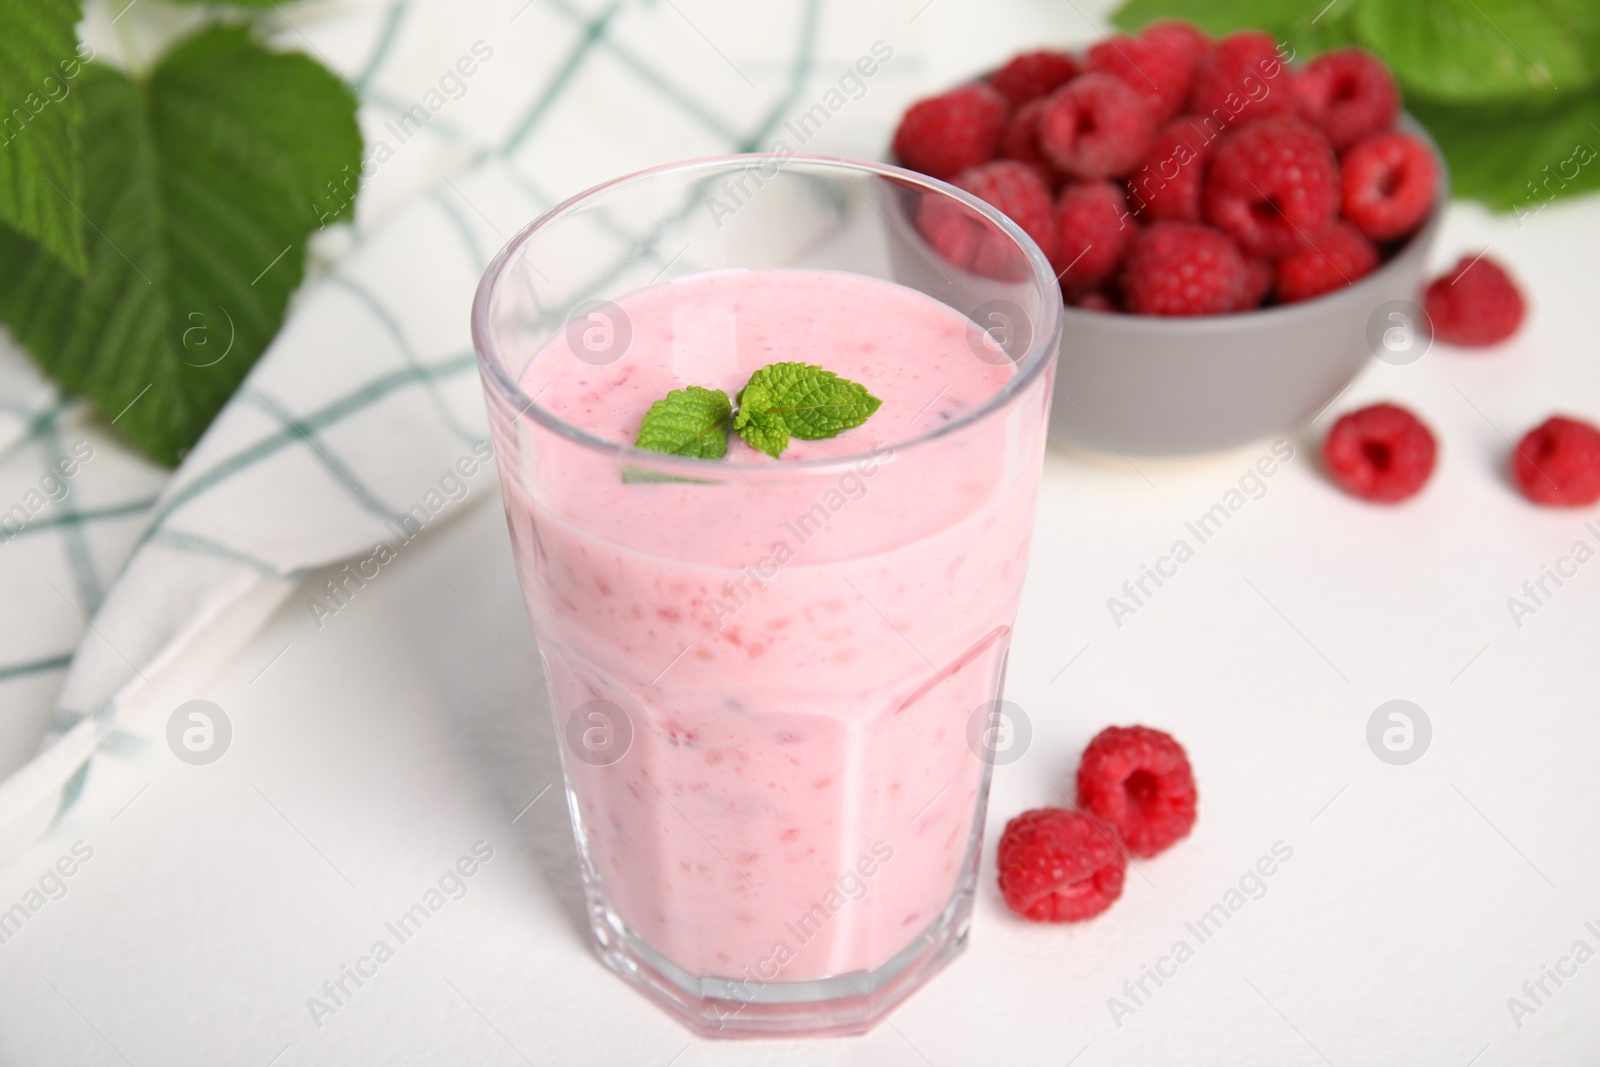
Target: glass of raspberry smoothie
{"points": [[773, 679]]}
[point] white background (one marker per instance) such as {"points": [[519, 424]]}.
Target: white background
{"points": [[370, 754]]}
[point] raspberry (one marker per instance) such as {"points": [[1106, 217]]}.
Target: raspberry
{"points": [[1177, 36], [1159, 64], [1389, 184], [1032, 75], [1476, 304], [1273, 185], [1021, 139], [1258, 279], [967, 240], [1337, 258], [1095, 127], [1047, 174], [1059, 866], [1094, 230], [1348, 94], [1242, 79], [1138, 780], [944, 135], [1169, 183], [1381, 453], [1095, 301], [1182, 268], [1558, 463], [1016, 189]]}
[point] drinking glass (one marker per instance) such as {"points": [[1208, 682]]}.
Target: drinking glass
{"points": [[778, 816]]}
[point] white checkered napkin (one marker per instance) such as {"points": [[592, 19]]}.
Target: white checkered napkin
{"points": [[366, 398], [121, 575], [72, 503]]}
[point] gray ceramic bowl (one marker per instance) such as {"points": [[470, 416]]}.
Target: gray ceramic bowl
{"points": [[1139, 385]]}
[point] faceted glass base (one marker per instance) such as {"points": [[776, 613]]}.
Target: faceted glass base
{"points": [[836, 1006], [744, 1007]]}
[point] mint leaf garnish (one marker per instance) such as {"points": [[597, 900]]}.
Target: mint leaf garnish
{"points": [[780, 400], [760, 427], [799, 399], [204, 180], [688, 422], [640, 476]]}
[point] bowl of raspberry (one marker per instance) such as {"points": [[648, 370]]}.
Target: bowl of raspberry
{"points": [[1230, 229]]}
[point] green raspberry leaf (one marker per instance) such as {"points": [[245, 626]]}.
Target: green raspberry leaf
{"points": [[40, 156], [799, 399], [1470, 50], [1516, 158], [689, 422], [203, 182]]}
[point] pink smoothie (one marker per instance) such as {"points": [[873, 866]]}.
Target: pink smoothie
{"points": [[799, 650]]}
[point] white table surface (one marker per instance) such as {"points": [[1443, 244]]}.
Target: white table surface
{"points": [[370, 754]]}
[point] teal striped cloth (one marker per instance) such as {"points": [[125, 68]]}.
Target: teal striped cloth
{"points": [[127, 585]]}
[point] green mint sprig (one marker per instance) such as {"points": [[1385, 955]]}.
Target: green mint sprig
{"points": [[783, 399], [688, 422], [780, 401]]}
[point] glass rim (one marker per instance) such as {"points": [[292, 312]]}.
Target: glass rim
{"points": [[1045, 340]]}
